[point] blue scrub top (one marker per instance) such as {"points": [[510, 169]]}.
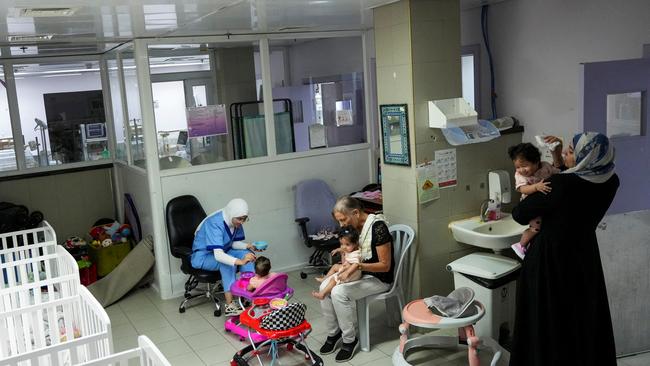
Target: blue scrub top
{"points": [[213, 234]]}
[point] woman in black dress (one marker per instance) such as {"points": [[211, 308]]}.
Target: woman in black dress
{"points": [[562, 315]]}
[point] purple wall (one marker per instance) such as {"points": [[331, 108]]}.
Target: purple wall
{"points": [[632, 153]]}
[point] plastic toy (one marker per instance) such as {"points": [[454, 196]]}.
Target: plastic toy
{"points": [[274, 287], [74, 242], [293, 337]]}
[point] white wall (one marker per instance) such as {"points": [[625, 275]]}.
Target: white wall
{"points": [[538, 46], [134, 182], [268, 188], [70, 202]]}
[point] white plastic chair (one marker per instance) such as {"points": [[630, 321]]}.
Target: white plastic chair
{"points": [[403, 237]]}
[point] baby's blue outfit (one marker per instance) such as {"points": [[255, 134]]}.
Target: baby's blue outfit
{"points": [[213, 233]]}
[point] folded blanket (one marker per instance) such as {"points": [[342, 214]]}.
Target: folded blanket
{"points": [[455, 305]]}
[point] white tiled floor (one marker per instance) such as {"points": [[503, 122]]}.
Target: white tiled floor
{"points": [[198, 338]]}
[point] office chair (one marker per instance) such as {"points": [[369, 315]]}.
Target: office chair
{"points": [[183, 215], [314, 203]]}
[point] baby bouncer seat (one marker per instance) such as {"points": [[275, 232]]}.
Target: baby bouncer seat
{"points": [[457, 310], [274, 287]]}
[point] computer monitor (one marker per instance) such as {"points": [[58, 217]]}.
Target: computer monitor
{"points": [[95, 131]]}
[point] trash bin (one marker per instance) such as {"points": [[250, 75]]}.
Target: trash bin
{"points": [[493, 279]]}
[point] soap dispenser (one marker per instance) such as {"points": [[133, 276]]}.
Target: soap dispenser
{"points": [[499, 186]]}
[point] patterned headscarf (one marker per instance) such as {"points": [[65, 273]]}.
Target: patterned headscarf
{"points": [[594, 157]]}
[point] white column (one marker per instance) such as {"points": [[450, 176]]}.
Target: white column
{"points": [[163, 277], [267, 86]]}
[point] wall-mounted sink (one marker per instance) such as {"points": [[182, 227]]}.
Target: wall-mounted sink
{"points": [[495, 235]]}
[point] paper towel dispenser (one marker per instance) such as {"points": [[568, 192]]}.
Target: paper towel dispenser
{"points": [[448, 113]]}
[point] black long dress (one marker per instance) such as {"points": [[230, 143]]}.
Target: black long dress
{"points": [[562, 315]]}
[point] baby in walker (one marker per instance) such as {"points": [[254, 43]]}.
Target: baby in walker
{"points": [[530, 173], [262, 273], [350, 254]]}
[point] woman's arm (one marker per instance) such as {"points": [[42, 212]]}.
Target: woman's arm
{"points": [[537, 187], [558, 161], [537, 205], [382, 265], [222, 257]]}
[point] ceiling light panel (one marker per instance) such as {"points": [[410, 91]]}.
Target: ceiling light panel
{"points": [[45, 12]]}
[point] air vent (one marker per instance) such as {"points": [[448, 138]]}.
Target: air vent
{"points": [[30, 38], [47, 12]]}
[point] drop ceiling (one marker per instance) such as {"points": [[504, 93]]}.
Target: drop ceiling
{"points": [[30, 28], [48, 28]]}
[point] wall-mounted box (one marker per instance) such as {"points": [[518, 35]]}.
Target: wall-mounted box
{"points": [[448, 113]]}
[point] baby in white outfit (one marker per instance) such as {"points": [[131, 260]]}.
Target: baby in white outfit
{"points": [[350, 256]]}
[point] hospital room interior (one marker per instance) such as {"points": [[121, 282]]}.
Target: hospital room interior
{"points": [[309, 182]]}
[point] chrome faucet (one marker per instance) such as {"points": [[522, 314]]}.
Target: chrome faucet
{"points": [[484, 207]]}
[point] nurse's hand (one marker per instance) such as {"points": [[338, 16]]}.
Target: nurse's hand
{"points": [[252, 248], [249, 257]]}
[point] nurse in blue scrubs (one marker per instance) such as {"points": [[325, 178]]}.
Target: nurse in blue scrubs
{"points": [[219, 246]]}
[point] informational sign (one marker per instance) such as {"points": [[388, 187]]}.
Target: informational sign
{"points": [[317, 137], [207, 121], [344, 117], [427, 181], [344, 113], [445, 161]]}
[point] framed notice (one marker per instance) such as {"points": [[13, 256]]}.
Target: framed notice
{"points": [[206, 121]]}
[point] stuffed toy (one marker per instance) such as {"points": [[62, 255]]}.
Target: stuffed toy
{"points": [[114, 231], [74, 242]]}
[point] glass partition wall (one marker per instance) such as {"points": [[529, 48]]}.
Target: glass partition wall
{"points": [[61, 122], [208, 101], [208, 98], [318, 86]]}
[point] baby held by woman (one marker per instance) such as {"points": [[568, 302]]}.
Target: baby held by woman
{"points": [[530, 176], [349, 250]]}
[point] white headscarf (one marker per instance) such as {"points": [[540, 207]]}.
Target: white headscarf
{"points": [[594, 156], [237, 207]]}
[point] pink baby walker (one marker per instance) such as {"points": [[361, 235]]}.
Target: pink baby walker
{"points": [[274, 287], [280, 323]]}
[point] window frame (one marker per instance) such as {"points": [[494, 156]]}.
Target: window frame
{"points": [[14, 113], [475, 51], [263, 40]]}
